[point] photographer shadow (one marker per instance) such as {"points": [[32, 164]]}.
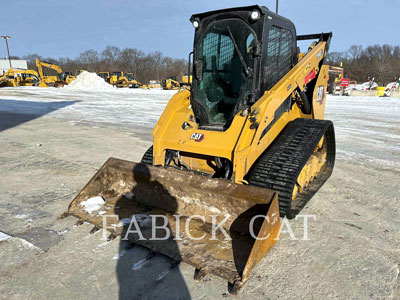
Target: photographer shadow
{"points": [[142, 273]]}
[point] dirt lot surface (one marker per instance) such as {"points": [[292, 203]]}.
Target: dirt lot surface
{"points": [[52, 142]]}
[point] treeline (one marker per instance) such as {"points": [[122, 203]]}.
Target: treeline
{"points": [[381, 62], [145, 67]]}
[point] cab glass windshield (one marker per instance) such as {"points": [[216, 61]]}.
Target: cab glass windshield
{"points": [[224, 80]]}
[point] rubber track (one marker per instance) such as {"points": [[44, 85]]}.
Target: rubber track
{"points": [[148, 157], [279, 167]]}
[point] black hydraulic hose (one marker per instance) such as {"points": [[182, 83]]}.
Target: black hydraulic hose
{"points": [[306, 102]]}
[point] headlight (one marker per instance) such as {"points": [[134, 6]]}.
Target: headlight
{"points": [[196, 24], [255, 15]]}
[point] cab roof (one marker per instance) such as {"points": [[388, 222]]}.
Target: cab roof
{"points": [[262, 9]]}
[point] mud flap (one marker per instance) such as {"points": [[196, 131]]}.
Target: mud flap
{"points": [[191, 207]]}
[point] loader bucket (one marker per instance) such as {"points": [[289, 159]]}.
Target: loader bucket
{"points": [[190, 206]]}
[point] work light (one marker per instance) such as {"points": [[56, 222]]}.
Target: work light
{"points": [[196, 24], [255, 15]]}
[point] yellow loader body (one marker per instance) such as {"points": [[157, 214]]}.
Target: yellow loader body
{"points": [[239, 143], [243, 145]]}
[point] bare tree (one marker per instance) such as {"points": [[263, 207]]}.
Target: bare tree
{"points": [[30, 58], [355, 51], [129, 59], [379, 61], [90, 59], [110, 57]]}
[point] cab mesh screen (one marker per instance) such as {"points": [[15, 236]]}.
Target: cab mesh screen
{"points": [[222, 56], [279, 56]]}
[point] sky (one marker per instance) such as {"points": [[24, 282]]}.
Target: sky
{"points": [[54, 28]]}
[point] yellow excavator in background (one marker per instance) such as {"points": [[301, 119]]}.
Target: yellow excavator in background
{"points": [[57, 81], [170, 83], [247, 143], [16, 77]]}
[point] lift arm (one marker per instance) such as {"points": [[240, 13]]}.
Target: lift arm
{"points": [[41, 64]]}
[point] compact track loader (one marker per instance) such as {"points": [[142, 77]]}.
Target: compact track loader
{"points": [[246, 144], [124, 80], [170, 83]]}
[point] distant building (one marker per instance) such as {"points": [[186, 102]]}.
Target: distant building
{"points": [[15, 63]]}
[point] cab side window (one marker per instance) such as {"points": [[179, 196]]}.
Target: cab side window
{"points": [[279, 55]]}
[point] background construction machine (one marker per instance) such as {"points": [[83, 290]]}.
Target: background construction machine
{"points": [[8, 79], [186, 81], [60, 80], [252, 126], [29, 78], [14, 78], [121, 80], [335, 78], [170, 83], [105, 76]]}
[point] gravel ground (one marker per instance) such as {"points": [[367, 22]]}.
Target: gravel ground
{"points": [[52, 142]]}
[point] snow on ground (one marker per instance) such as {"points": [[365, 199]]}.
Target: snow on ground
{"points": [[133, 109], [4, 236], [367, 128], [88, 81]]}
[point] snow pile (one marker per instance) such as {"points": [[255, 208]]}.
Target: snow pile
{"points": [[88, 81], [93, 204]]}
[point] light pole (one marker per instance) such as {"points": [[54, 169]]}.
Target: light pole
{"points": [[277, 6], [6, 37]]}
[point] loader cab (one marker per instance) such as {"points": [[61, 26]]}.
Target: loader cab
{"points": [[29, 78], [239, 54], [64, 75], [172, 77], [118, 74], [130, 76], [104, 75]]}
